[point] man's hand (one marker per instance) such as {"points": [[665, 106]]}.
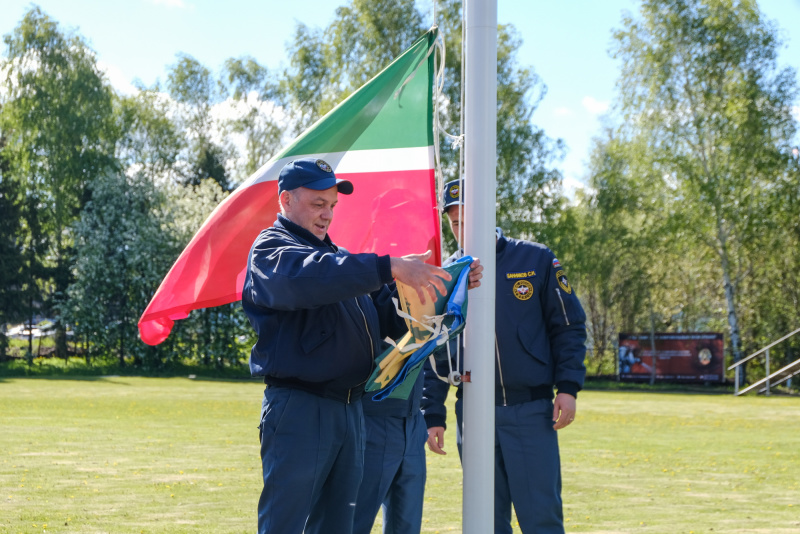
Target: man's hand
{"points": [[423, 277], [475, 274], [436, 439], [564, 409]]}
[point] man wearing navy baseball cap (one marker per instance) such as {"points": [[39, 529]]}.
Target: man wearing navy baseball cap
{"points": [[320, 314], [540, 333]]}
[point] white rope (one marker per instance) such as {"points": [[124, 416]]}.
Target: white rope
{"points": [[438, 85], [461, 172], [457, 142], [432, 323], [410, 77]]}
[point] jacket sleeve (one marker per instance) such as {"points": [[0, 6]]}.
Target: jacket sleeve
{"points": [[285, 275], [566, 328]]}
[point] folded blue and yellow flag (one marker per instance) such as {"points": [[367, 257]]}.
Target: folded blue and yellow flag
{"points": [[429, 326]]}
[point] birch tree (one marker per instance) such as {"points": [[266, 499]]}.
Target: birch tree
{"points": [[700, 86]]}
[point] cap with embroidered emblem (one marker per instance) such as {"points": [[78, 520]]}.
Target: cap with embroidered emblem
{"points": [[312, 173], [452, 194]]}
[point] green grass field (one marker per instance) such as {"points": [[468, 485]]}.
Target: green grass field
{"points": [[172, 455]]}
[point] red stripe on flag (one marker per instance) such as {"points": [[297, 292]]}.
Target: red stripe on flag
{"points": [[389, 213], [210, 270]]}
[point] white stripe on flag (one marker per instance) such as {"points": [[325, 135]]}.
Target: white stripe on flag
{"points": [[355, 161]]}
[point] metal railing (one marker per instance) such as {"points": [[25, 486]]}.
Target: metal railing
{"points": [[783, 374]]}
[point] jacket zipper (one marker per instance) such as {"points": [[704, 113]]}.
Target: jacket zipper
{"points": [[366, 327], [563, 309], [371, 347], [500, 370], [371, 344]]}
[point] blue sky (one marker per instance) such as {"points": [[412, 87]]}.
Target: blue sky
{"points": [[566, 42]]}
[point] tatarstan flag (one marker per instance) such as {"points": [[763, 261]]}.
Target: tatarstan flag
{"points": [[380, 138]]}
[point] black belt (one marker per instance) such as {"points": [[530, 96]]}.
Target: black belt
{"points": [[517, 395], [322, 389]]}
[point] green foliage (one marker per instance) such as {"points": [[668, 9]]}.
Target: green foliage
{"points": [[700, 88], [327, 65], [122, 254], [56, 125], [192, 87], [684, 221], [149, 140], [528, 186], [254, 92], [12, 260]]}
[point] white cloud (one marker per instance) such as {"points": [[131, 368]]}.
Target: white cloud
{"points": [[570, 185], [594, 106], [117, 79], [562, 112], [267, 112], [796, 112]]}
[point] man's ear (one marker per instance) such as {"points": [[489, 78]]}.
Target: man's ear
{"points": [[285, 199]]}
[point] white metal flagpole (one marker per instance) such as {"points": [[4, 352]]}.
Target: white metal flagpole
{"points": [[480, 142]]}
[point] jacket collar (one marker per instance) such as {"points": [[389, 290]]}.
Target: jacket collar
{"points": [[501, 241], [303, 234]]}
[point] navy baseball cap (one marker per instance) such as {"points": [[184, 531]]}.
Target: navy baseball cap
{"points": [[452, 194], [311, 173]]}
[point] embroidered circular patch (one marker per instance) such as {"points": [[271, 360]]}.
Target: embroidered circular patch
{"points": [[563, 282], [324, 166], [454, 191], [523, 290]]}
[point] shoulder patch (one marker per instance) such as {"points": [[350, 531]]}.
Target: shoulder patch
{"points": [[563, 282], [556, 263]]}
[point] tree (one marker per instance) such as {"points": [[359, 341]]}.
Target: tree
{"points": [[11, 253], [192, 87], [121, 254], [254, 96], [148, 141], [56, 124], [700, 86], [772, 292]]}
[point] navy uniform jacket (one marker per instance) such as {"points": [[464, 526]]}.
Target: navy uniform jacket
{"points": [[318, 311], [539, 329]]}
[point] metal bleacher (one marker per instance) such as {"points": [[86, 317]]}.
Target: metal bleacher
{"points": [[772, 379]]}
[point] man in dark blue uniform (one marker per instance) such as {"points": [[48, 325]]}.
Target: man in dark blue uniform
{"points": [[394, 458], [320, 314], [539, 346], [394, 465]]}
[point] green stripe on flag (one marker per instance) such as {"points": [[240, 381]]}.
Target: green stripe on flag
{"points": [[380, 114]]}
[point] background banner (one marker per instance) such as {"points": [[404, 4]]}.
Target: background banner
{"points": [[684, 357]]}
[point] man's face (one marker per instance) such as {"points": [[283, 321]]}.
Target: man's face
{"points": [[454, 214], [313, 210]]}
